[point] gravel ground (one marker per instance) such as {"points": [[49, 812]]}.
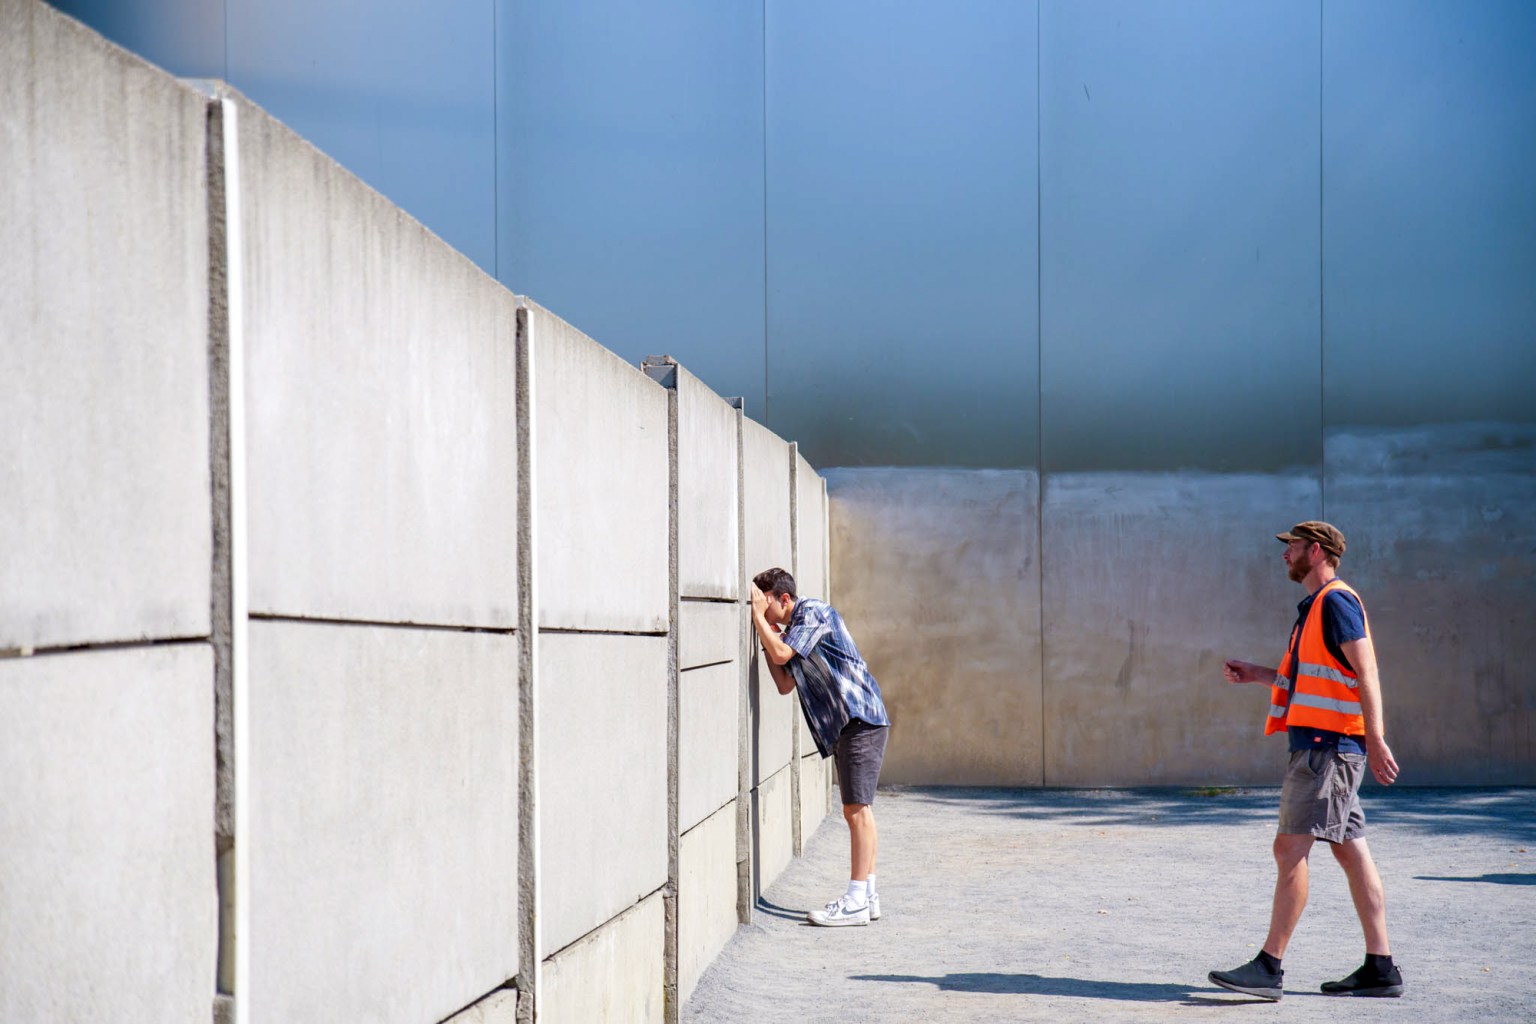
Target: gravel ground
{"points": [[1052, 905]]}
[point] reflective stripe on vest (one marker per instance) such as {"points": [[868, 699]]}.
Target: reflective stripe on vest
{"points": [[1326, 694]]}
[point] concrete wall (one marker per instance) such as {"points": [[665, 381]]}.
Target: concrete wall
{"points": [[432, 606], [1078, 641], [108, 901]]}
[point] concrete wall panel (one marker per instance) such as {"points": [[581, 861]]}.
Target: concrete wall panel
{"points": [[775, 836], [498, 1008], [613, 974], [108, 908], [766, 493], [381, 403], [602, 778], [383, 824], [810, 526], [103, 341], [707, 505], [1440, 521], [937, 576], [709, 632], [810, 548], [709, 700], [706, 895], [601, 431], [814, 802], [1139, 617]]}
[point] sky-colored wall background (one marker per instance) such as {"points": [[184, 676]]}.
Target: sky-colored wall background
{"points": [[1106, 235]]}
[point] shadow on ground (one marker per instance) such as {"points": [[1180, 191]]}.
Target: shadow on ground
{"points": [[1080, 988], [1508, 814]]}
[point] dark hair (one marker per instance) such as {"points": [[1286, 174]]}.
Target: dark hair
{"points": [[775, 581]]}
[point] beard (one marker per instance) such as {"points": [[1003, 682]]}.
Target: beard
{"points": [[1299, 567]]}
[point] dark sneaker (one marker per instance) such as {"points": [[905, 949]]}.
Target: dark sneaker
{"points": [[1251, 979], [1368, 981]]}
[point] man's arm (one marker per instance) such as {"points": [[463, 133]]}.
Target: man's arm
{"points": [[1362, 655], [1247, 672], [777, 651]]}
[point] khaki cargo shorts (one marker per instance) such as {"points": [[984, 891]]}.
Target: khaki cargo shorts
{"points": [[1321, 795]]}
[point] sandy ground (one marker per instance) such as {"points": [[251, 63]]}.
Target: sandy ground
{"points": [[1031, 905]]}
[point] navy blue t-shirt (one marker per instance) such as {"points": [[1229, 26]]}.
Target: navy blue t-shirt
{"points": [[1343, 621]]}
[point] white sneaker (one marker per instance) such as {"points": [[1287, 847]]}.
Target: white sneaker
{"points": [[840, 913], [874, 906]]}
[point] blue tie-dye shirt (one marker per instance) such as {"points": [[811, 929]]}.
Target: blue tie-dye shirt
{"points": [[834, 684]]}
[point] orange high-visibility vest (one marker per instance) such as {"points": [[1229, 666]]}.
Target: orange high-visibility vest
{"points": [[1327, 694]]}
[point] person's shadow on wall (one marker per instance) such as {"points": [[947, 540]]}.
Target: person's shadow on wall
{"points": [[1082, 988]]}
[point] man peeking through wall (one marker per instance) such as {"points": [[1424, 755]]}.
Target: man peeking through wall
{"points": [[810, 652]]}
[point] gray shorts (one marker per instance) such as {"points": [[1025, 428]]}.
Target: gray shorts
{"points": [[859, 752], [1321, 795]]}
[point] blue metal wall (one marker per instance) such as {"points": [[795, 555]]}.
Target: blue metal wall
{"points": [[1096, 234]]}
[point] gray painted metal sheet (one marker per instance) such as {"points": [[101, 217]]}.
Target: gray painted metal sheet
{"points": [[401, 94], [1179, 235], [1429, 260], [902, 232], [631, 190]]}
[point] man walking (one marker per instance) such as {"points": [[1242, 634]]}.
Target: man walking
{"points": [[1327, 697], [810, 651]]}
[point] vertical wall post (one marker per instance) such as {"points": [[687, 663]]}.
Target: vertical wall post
{"points": [[230, 605], [531, 948], [663, 370], [797, 807], [746, 732]]}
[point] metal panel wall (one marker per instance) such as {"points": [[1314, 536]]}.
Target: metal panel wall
{"points": [[1429, 258], [901, 232], [632, 177], [186, 37], [402, 95], [1180, 305], [1179, 235]]}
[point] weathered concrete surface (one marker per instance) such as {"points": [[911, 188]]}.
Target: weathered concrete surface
{"points": [[382, 832], [601, 432], [709, 632], [602, 779], [707, 506], [709, 701], [108, 908], [1151, 581], [810, 531], [816, 774], [498, 1008], [706, 894], [1441, 523], [613, 974], [774, 835], [381, 402], [1047, 906], [809, 567], [767, 511], [936, 572], [103, 341]]}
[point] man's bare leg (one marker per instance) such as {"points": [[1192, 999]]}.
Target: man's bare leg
{"points": [[1366, 890], [1290, 891], [863, 840]]}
